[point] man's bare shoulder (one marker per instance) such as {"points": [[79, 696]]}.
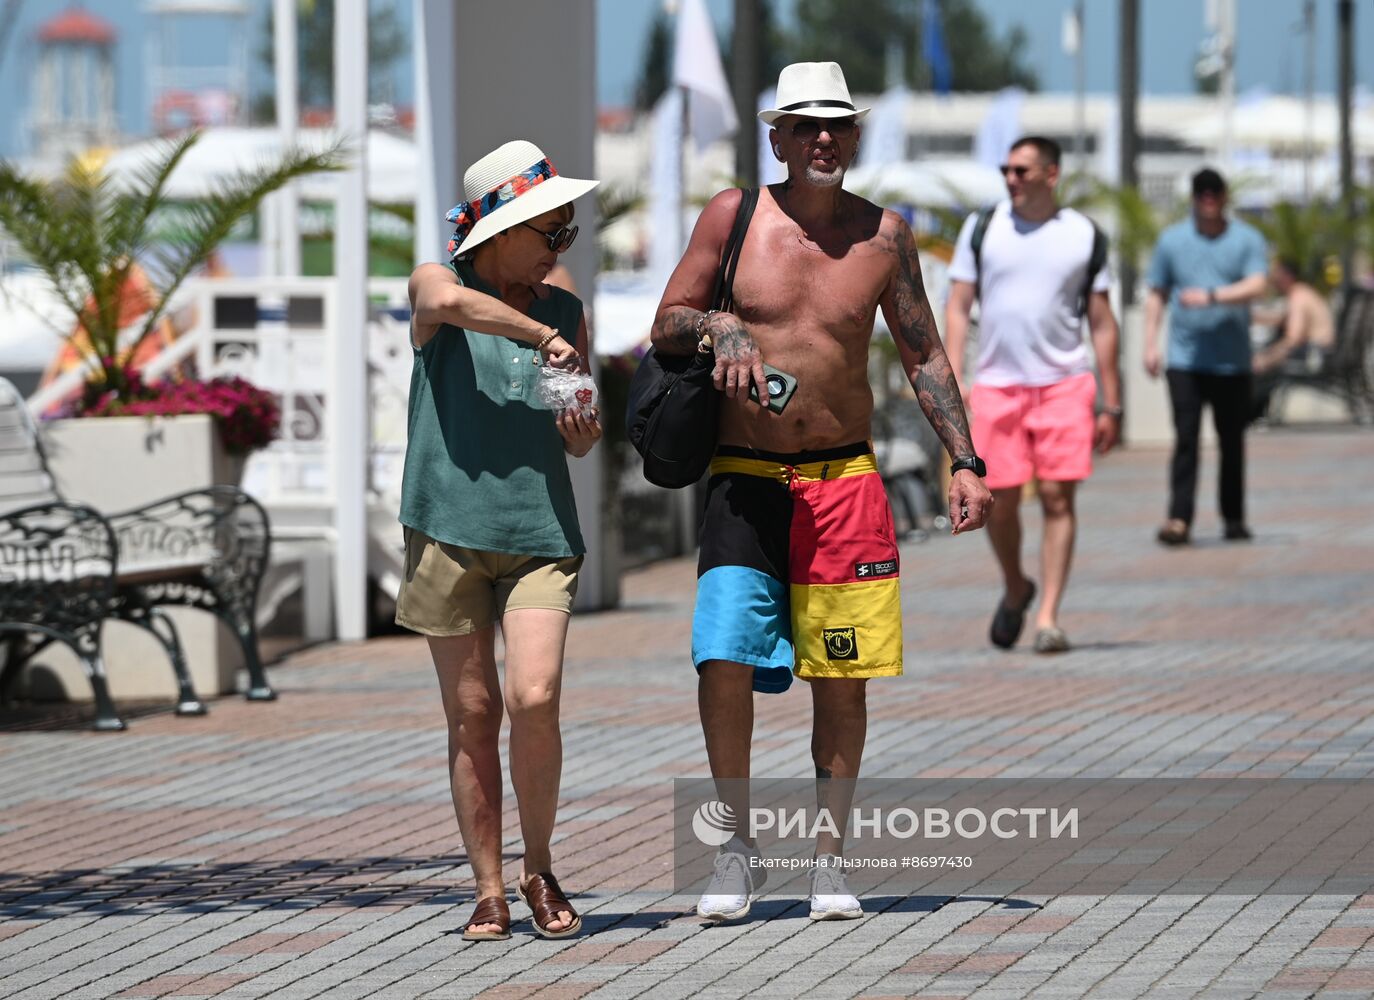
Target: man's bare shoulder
{"points": [[893, 229], [719, 214]]}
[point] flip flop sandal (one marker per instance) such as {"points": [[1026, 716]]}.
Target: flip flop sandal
{"points": [[545, 900], [1007, 622], [491, 910]]}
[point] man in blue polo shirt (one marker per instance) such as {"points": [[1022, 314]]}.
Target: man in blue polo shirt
{"points": [[1207, 269]]}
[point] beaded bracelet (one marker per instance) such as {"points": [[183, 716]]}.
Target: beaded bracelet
{"points": [[548, 339]]}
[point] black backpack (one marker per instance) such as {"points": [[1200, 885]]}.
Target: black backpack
{"points": [[1096, 259], [673, 411]]}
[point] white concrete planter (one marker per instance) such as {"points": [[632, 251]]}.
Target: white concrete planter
{"points": [[113, 464]]}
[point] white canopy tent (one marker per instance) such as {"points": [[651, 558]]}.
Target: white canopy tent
{"points": [[393, 173], [932, 183], [32, 322], [1280, 125]]}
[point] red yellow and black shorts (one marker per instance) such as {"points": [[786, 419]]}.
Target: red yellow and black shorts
{"points": [[798, 567]]}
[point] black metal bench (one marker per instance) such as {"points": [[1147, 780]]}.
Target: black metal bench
{"points": [[1344, 372], [65, 568]]}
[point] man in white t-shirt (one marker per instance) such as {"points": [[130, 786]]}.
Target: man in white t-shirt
{"points": [[1036, 270]]}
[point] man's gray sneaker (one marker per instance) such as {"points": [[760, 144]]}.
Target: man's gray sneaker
{"points": [[830, 895], [732, 887]]}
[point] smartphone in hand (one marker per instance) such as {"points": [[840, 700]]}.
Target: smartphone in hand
{"points": [[781, 386]]}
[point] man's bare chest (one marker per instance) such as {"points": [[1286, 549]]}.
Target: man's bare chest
{"points": [[784, 279]]}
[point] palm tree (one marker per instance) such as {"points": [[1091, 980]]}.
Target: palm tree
{"points": [[1310, 236], [87, 233]]}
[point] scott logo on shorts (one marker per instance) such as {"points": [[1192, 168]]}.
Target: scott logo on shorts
{"points": [[840, 643], [868, 570]]}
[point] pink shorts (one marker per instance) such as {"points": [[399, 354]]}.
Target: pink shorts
{"points": [[1042, 431]]}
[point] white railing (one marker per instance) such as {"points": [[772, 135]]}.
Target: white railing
{"points": [[275, 332]]}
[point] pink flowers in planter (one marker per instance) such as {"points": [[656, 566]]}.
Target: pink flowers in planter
{"points": [[248, 418]]}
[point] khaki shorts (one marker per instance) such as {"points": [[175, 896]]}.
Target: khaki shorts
{"points": [[450, 590]]}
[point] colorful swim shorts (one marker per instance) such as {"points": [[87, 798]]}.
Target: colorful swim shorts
{"points": [[798, 567]]}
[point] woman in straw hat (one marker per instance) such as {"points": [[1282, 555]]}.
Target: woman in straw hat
{"points": [[491, 529]]}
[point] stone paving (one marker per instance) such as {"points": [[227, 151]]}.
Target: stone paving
{"points": [[307, 848]]}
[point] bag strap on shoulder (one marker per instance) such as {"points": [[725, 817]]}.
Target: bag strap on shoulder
{"points": [[723, 295], [980, 232], [1096, 260]]}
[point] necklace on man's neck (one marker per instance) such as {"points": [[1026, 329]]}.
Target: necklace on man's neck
{"points": [[805, 239]]}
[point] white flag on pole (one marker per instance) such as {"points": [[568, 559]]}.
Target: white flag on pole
{"points": [[1000, 128], [770, 170], [1071, 34], [665, 186], [697, 68], [885, 134]]}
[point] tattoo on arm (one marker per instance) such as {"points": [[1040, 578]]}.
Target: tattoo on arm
{"points": [[932, 378], [675, 331], [729, 338]]}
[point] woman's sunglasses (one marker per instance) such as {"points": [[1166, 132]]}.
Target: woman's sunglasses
{"points": [[559, 240]]}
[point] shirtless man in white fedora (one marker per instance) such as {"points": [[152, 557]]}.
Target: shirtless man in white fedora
{"points": [[798, 566]]}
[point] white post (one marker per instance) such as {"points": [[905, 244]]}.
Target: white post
{"points": [[487, 57], [348, 410], [1080, 117], [436, 118], [1226, 30], [287, 206]]}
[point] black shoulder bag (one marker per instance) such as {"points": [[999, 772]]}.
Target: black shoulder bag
{"points": [[674, 408]]}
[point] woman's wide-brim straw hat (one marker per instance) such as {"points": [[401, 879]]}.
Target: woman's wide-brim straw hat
{"points": [[813, 90], [512, 184]]}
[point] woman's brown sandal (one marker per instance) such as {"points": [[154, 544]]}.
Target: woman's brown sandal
{"points": [[492, 910], [546, 900]]}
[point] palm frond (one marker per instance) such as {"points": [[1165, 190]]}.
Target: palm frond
{"points": [[207, 223], [1307, 235], [42, 225], [613, 204], [84, 233], [130, 215]]}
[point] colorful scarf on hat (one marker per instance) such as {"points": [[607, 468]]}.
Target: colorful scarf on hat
{"points": [[465, 214]]}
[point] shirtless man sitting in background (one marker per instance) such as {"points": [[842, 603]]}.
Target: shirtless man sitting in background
{"points": [[798, 564], [1306, 330]]}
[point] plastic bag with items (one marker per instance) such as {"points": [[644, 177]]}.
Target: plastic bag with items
{"points": [[566, 389]]}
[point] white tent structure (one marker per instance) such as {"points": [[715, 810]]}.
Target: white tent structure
{"points": [[1280, 125], [393, 173], [32, 320], [929, 183]]}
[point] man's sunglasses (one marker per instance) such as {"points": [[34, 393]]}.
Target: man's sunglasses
{"points": [[559, 240], [809, 129], [1020, 171]]}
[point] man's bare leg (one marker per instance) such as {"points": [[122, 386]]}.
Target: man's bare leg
{"points": [[1004, 532], [838, 731], [534, 678], [1056, 551], [466, 665], [725, 699]]}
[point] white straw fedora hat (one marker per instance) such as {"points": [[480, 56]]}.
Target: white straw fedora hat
{"points": [[512, 184], [815, 90]]}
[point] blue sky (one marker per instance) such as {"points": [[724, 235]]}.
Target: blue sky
{"points": [[1269, 47]]}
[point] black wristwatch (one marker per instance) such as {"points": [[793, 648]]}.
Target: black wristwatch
{"points": [[975, 464]]}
